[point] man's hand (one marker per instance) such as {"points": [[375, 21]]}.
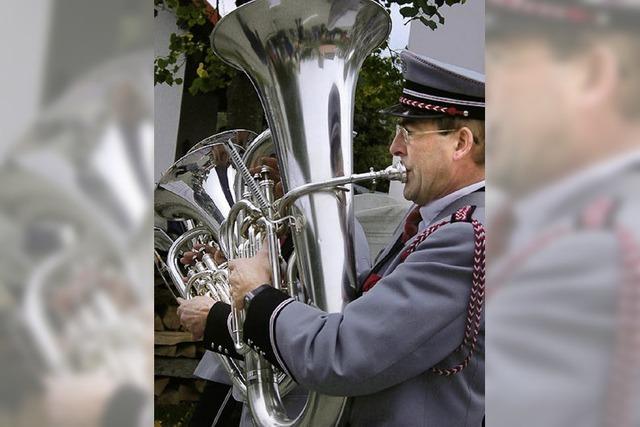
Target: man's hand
{"points": [[190, 257], [271, 164], [246, 274], [193, 314]]}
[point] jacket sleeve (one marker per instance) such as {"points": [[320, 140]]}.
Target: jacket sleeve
{"points": [[216, 332], [411, 320]]}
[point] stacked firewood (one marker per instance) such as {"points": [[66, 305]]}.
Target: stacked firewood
{"points": [[176, 353]]}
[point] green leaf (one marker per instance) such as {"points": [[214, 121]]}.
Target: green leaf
{"points": [[429, 23], [195, 86], [408, 12], [430, 10]]}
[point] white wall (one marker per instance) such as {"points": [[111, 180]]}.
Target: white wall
{"points": [[460, 41], [167, 100]]}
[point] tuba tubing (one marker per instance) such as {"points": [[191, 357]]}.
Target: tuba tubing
{"points": [[173, 258], [236, 373]]}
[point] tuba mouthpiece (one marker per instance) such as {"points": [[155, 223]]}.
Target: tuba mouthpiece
{"points": [[396, 172]]}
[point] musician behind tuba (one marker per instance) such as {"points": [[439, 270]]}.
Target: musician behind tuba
{"points": [[408, 349]]}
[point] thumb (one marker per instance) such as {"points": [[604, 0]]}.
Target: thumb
{"points": [[180, 300]]}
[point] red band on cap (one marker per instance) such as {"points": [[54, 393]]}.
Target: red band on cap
{"points": [[451, 110]]}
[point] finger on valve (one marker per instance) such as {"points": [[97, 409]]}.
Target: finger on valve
{"points": [[189, 258], [218, 257]]}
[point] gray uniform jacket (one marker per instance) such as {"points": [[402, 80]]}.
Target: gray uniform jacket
{"points": [[381, 348]]}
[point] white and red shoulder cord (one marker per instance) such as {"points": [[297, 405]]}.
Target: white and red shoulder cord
{"points": [[476, 300]]}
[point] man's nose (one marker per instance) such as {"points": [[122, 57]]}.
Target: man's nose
{"points": [[397, 147]]}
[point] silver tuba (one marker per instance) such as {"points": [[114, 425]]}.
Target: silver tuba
{"points": [[191, 200], [303, 58]]}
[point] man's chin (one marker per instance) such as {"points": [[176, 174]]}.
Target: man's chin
{"points": [[409, 196]]}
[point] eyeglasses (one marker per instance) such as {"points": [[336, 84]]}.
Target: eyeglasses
{"points": [[407, 134]]}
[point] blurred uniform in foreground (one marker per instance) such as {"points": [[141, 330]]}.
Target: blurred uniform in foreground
{"points": [[563, 278]]}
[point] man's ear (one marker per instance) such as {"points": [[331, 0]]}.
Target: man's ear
{"points": [[464, 143], [598, 82]]}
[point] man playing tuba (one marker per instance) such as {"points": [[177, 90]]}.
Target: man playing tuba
{"points": [[410, 349]]}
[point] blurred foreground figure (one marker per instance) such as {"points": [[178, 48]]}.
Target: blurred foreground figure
{"points": [[77, 329], [563, 278]]}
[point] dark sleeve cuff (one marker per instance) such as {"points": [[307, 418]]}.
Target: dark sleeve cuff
{"points": [[260, 324], [216, 332]]}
